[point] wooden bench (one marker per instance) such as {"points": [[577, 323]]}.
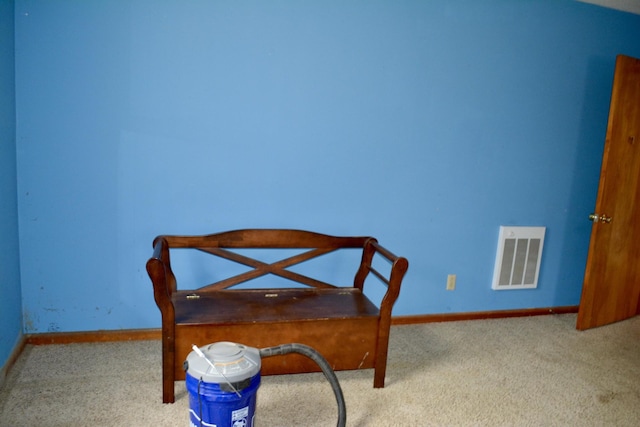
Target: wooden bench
{"points": [[338, 321]]}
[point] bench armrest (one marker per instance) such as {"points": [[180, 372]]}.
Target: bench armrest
{"points": [[162, 277], [399, 266]]}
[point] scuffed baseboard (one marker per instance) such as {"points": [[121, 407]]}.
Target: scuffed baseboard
{"points": [[156, 334], [479, 315], [94, 336]]}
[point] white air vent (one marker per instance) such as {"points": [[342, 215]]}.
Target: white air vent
{"points": [[518, 258]]}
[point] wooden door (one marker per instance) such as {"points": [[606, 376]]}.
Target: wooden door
{"points": [[611, 288]]}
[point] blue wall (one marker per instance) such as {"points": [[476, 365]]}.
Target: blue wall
{"points": [[10, 300], [427, 124]]}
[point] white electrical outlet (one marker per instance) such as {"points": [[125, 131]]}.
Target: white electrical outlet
{"points": [[451, 282]]}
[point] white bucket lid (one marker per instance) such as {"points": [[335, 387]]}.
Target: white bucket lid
{"points": [[233, 363]]}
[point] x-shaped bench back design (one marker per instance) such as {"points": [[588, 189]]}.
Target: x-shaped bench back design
{"points": [[260, 268], [224, 245]]}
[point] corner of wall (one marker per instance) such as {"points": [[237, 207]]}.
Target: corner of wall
{"points": [[13, 357]]}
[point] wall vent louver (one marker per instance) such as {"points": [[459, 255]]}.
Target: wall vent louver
{"points": [[518, 258]]}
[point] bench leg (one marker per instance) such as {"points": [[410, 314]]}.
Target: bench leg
{"points": [[167, 386], [382, 349], [168, 363], [380, 372]]}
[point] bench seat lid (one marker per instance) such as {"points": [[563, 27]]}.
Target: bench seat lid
{"points": [[270, 305]]}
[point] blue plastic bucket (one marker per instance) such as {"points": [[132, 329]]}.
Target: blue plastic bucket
{"points": [[209, 405], [223, 385]]}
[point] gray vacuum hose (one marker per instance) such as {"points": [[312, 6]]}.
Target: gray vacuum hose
{"points": [[314, 355]]}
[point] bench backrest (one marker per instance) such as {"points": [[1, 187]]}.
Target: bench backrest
{"points": [[223, 245]]}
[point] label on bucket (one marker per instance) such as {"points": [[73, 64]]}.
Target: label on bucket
{"points": [[239, 417]]}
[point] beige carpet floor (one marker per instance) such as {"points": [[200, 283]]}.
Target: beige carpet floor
{"points": [[536, 371]]}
